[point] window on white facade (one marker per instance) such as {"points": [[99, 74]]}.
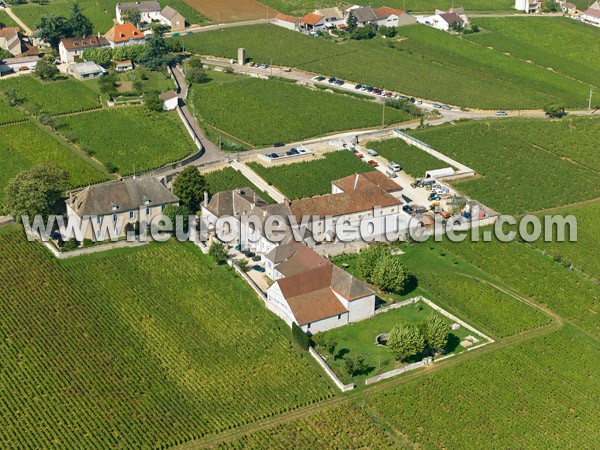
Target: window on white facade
{"points": [[98, 219], [308, 326], [99, 234], [131, 214], [339, 316], [148, 211], [114, 217]]}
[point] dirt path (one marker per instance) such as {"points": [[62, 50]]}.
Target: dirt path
{"points": [[14, 17]]}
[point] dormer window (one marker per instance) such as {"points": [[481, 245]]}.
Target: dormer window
{"points": [[147, 202], [114, 207]]}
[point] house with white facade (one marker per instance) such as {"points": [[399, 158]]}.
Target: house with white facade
{"points": [[10, 40], [333, 17], [171, 18], [14, 65], [170, 100], [443, 21], [71, 49], [528, 6], [312, 22], [592, 14], [121, 204], [314, 293], [285, 21], [149, 10], [125, 34]]}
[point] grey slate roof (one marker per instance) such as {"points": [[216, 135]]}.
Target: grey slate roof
{"points": [[143, 7], [125, 195], [348, 286], [168, 12], [364, 15], [234, 203]]}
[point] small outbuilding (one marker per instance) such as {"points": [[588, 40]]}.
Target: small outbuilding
{"points": [[123, 66], [440, 173], [87, 70], [170, 100]]}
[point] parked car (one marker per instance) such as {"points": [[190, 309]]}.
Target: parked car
{"points": [[446, 107], [370, 88], [256, 258], [433, 197], [302, 151], [359, 154], [319, 78], [408, 209], [372, 152], [412, 100], [395, 167], [389, 94], [445, 214], [265, 66], [331, 80], [419, 102], [340, 82], [358, 86], [258, 268], [251, 64], [420, 209], [278, 144], [391, 174], [238, 248], [249, 254], [373, 163], [502, 112], [294, 151], [437, 106]]}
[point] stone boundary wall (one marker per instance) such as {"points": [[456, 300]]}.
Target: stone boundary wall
{"points": [[343, 387]]}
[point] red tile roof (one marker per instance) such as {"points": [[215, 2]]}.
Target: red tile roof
{"points": [[123, 33], [83, 42], [286, 18], [359, 181], [385, 11], [311, 19]]}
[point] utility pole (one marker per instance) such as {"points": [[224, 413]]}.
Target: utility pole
{"points": [[383, 115], [590, 101], [218, 19]]}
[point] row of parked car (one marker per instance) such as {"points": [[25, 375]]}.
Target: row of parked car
{"points": [[291, 152], [370, 89]]}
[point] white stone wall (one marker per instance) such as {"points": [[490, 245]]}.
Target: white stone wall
{"points": [[277, 304], [326, 324]]}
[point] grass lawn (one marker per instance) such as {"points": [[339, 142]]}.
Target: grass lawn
{"points": [[421, 62], [53, 97], [137, 345], [129, 138], [310, 178], [282, 111], [228, 178], [413, 160], [524, 164], [24, 145], [6, 20], [359, 339], [100, 12]]}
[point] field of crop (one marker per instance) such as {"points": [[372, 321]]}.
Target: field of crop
{"points": [[300, 7], [52, 97], [517, 173], [310, 178], [131, 139], [100, 12], [538, 394], [537, 277], [568, 46], [24, 145], [422, 62], [343, 427], [6, 20], [8, 114], [228, 179], [583, 254], [278, 118], [413, 161], [138, 348]]}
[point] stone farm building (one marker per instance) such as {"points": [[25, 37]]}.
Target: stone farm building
{"points": [[149, 11], [125, 34], [120, 203], [71, 49]]}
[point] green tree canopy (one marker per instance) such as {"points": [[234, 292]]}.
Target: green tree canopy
{"points": [[38, 190], [367, 259], [80, 25], [351, 22], [218, 252], [152, 101], [189, 186], [406, 341], [435, 332], [46, 69], [172, 212], [194, 71], [156, 54], [132, 15], [390, 274], [52, 28]]}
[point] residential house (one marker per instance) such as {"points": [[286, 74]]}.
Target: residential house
{"points": [[285, 21], [333, 17], [364, 16], [149, 11], [443, 21], [170, 100], [592, 14], [87, 70], [388, 17], [312, 22], [119, 204], [123, 66], [13, 65], [314, 293], [171, 18], [568, 8], [10, 40], [126, 34], [353, 200], [71, 49], [528, 6]]}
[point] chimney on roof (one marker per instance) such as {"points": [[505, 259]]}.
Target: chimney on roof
{"points": [[355, 182], [205, 198]]}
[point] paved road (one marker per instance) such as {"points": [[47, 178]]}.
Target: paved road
{"points": [[14, 17], [258, 181], [199, 29]]}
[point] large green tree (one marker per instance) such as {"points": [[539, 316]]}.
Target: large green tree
{"points": [[218, 252], [38, 190], [390, 274], [189, 186], [156, 53], [406, 341], [80, 24], [435, 332], [367, 260], [52, 28], [132, 16], [46, 69]]}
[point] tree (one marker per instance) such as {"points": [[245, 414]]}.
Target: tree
{"points": [[300, 337], [243, 264], [355, 365], [218, 252], [156, 54], [367, 259], [38, 190], [550, 7], [4, 54], [132, 15], [389, 32], [475, 28], [46, 69], [352, 22], [152, 101], [80, 25], [190, 186], [194, 71], [390, 274], [456, 27], [435, 332], [555, 111], [330, 345], [366, 32], [108, 85], [172, 212], [405, 341], [52, 28]]}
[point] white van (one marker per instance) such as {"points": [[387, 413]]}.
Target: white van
{"points": [[395, 167], [391, 174], [372, 152]]}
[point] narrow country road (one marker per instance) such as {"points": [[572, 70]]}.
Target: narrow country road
{"points": [[14, 17], [258, 181], [199, 29]]}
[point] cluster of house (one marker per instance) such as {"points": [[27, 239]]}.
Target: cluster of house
{"points": [[330, 18], [590, 16], [445, 20], [24, 53]]}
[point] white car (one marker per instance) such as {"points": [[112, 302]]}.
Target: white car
{"points": [[502, 112]]}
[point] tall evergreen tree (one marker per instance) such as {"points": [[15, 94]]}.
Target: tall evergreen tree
{"points": [[80, 24]]}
